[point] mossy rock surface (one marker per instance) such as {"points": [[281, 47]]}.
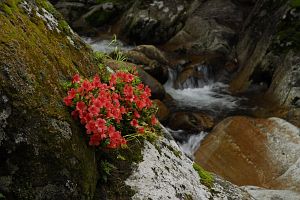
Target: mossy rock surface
{"points": [[43, 154]]}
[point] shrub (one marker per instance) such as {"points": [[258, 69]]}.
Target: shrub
{"points": [[114, 109]]}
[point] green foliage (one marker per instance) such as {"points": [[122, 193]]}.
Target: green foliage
{"points": [[2, 196], [288, 33], [205, 177], [117, 54], [175, 152], [6, 9], [295, 3], [63, 26], [105, 170]]}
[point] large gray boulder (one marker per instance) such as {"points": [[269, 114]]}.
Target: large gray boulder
{"points": [[154, 21], [211, 26], [43, 154]]}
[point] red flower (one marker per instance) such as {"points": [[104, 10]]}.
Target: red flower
{"points": [[153, 120], [94, 110], [80, 106], [68, 101], [87, 86], [101, 107], [141, 129], [141, 104], [90, 127], [136, 114], [76, 78], [72, 93], [140, 87], [134, 123], [74, 114]]}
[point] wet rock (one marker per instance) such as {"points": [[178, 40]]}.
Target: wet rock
{"points": [[39, 141], [152, 60], [166, 170], [87, 17], [248, 151], [265, 194], [190, 122], [157, 90], [211, 26], [264, 58], [153, 21], [163, 112], [153, 53], [190, 76]]}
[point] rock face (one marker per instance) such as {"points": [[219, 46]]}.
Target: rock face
{"points": [[87, 17], [166, 173], [154, 21], [248, 151], [153, 61], [268, 52], [211, 26], [42, 152]]}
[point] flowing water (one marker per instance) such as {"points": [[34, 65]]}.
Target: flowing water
{"points": [[204, 95], [106, 45]]}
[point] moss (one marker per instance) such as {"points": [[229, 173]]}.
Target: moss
{"points": [[115, 187], [33, 63], [295, 3], [205, 177], [187, 197], [64, 27], [174, 151], [6, 9], [49, 7]]}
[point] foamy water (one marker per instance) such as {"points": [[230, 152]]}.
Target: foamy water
{"points": [[106, 45], [210, 97], [203, 94], [192, 145]]}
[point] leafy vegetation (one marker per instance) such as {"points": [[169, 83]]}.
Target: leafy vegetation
{"points": [[205, 177], [295, 3]]}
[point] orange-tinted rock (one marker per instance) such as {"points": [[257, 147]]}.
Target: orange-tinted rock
{"points": [[163, 112], [248, 151]]}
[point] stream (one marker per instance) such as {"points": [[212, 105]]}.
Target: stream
{"points": [[193, 95]]}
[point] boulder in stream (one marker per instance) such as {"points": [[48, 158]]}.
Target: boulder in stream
{"points": [[249, 151]]}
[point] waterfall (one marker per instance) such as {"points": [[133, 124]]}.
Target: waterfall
{"points": [[204, 94], [198, 95], [192, 144]]}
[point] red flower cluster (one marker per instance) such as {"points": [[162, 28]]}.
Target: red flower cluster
{"points": [[107, 108]]}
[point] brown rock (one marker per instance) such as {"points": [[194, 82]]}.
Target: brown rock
{"points": [[152, 65], [248, 151], [191, 122], [163, 112]]}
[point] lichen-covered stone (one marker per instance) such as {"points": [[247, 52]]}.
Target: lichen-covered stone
{"points": [[43, 154], [154, 21]]}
